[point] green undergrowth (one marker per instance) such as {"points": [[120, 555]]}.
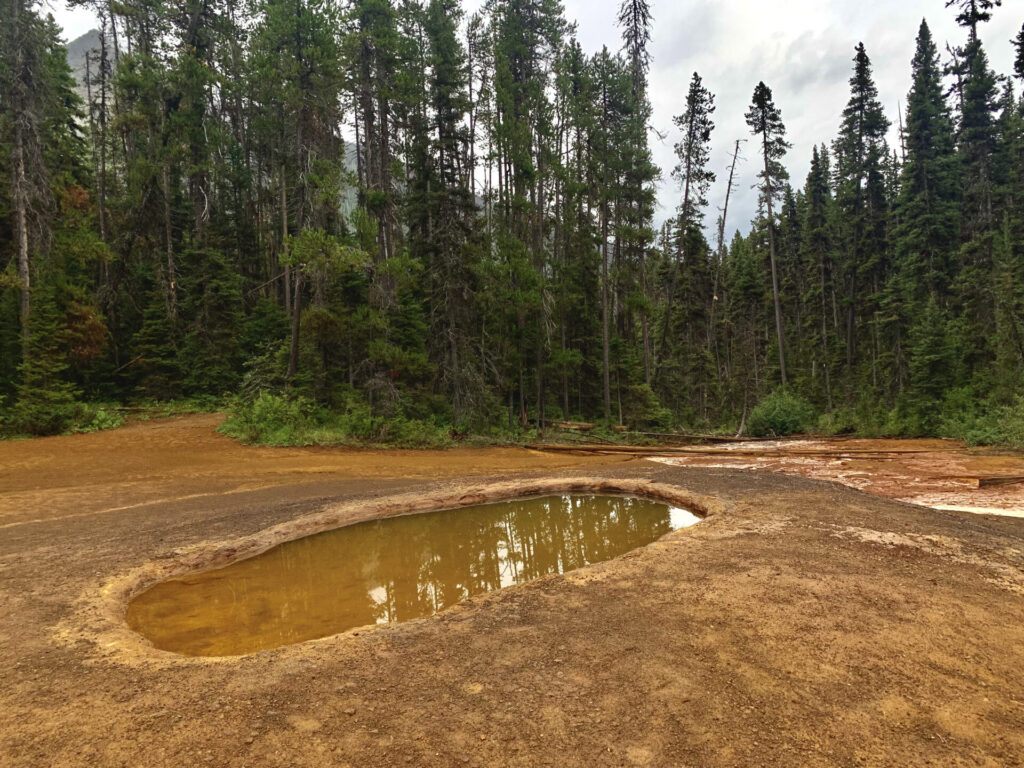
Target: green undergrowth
{"points": [[40, 418], [294, 420]]}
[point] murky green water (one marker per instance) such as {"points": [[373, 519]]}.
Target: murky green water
{"points": [[391, 570]]}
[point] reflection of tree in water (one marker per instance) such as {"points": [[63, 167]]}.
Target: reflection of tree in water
{"points": [[392, 570], [429, 562]]}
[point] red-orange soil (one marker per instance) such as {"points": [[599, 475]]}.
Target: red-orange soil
{"points": [[802, 623], [934, 473]]}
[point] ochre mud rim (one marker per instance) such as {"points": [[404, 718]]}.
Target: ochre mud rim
{"points": [[99, 618]]}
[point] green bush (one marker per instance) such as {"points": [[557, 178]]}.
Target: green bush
{"points": [[1011, 424], [39, 417], [273, 419], [980, 423], [781, 413], [841, 422], [93, 418]]}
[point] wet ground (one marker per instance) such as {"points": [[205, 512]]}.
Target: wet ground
{"points": [[391, 570], [941, 474], [802, 623]]}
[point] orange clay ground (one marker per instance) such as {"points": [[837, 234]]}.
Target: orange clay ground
{"points": [[802, 623]]}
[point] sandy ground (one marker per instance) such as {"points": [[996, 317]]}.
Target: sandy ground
{"points": [[934, 473], [801, 624]]}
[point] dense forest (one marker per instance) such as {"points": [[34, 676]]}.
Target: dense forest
{"points": [[388, 220]]}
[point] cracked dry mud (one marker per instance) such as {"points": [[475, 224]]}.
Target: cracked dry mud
{"points": [[802, 623]]}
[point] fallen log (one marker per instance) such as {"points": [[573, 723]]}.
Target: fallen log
{"points": [[669, 450], [575, 426], [990, 482], [714, 438]]}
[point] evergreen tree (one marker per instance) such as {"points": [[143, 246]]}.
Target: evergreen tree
{"points": [[973, 12], [690, 268], [637, 202], [859, 154], [450, 245], [977, 144], [1018, 62], [928, 228], [765, 121], [817, 251]]}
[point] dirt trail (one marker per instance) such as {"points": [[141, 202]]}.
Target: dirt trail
{"points": [[801, 624], [184, 458]]}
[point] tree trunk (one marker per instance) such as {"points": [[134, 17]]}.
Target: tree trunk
{"points": [[284, 244], [172, 290], [293, 352], [721, 250], [19, 193], [605, 331], [21, 226], [775, 278]]}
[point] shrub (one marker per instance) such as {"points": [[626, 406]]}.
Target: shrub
{"points": [[38, 417], [1011, 424], [270, 419], [93, 418], [273, 419], [781, 413], [841, 422], [42, 415], [965, 419]]}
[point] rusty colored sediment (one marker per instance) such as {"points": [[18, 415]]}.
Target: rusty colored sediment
{"points": [[103, 610]]}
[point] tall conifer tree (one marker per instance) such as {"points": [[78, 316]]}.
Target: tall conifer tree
{"points": [[765, 121]]}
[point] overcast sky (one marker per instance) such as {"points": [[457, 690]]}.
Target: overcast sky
{"points": [[803, 49]]}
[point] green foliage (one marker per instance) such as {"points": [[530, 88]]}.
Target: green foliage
{"points": [[47, 402], [210, 314], [97, 418], [966, 418], [272, 419], [781, 413], [642, 410], [484, 255]]}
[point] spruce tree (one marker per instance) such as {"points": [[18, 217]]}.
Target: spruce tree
{"points": [[977, 142], [928, 228], [859, 154], [973, 12], [765, 121], [817, 245], [690, 266], [1018, 61], [637, 202]]}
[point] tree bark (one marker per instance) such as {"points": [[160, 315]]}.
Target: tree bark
{"points": [[721, 249], [771, 253], [20, 184], [293, 352]]}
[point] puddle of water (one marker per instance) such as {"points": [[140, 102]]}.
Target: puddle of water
{"points": [[391, 570]]}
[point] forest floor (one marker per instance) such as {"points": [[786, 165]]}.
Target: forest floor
{"points": [[803, 623]]}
